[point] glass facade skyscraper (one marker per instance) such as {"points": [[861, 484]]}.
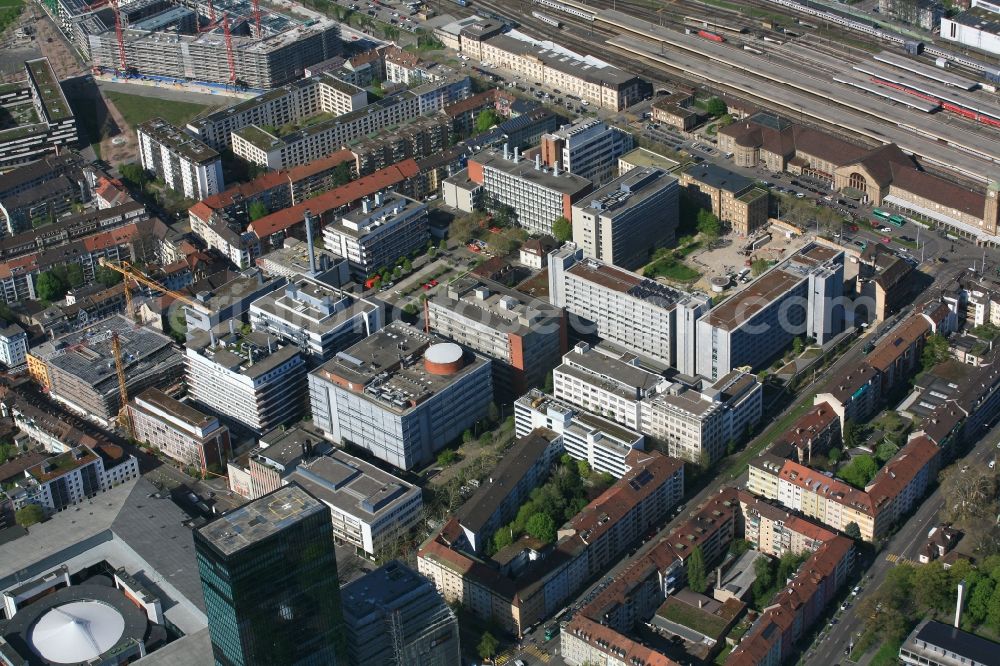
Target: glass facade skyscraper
{"points": [[269, 576]]}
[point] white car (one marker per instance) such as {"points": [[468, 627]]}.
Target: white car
{"points": [[799, 195], [993, 464]]}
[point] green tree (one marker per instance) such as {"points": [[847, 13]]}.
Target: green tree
{"points": [[447, 457], [74, 276], [487, 646], [562, 229], [107, 277], [49, 286], [696, 571], [993, 610], [548, 387], [933, 586], [7, 451], [486, 119], [834, 455], [493, 413], [708, 224], [410, 309], [979, 599], [935, 351], [763, 585], [798, 346], [542, 527], [467, 436], [850, 434], [502, 539], [860, 471], [342, 174], [885, 451], [759, 266], [29, 515], [257, 209], [716, 107], [407, 265], [852, 530], [134, 174], [583, 468]]}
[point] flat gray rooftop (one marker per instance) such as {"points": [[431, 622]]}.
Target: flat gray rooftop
{"points": [[608, 371], [260, 519]]}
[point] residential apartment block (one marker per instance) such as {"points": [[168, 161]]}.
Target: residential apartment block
{"points": [[798, 297], [401, 394], [626, 220], [734, 199], [537, 194], [251, 379], [319, 319], [774, 531], [13, 346], [589, 148], [602, 443], [524, 336], [371, 509], [524, 467], [55, 128], [181, 432], [376, 235], [641, 315], [184, 163], [532, 584], [895, 490]]}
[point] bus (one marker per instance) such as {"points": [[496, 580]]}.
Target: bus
{"points": [[896, 220], [881, 214]]}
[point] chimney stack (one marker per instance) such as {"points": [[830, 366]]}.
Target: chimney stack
{"points": [[538, 162], [958, 603], [364, 205], [308, 220], [506, 151], [517, 154], [555, 169]]}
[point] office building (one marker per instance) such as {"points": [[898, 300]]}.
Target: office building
{"points": [[537, 194], [524, 467], [401, 394], [78, 369], [699, 424], [68, 478], [602, 443], [13, 346], [393, 615], [252, 380], [933, 643], [734, 199], [800, 297], [55, 128], [592, 80], [319, 319], [269, 576], [524, 336], [180, 431], [372, 510], [589, 148], [625, 221], [277, 454], [374, 236], [639, 314], [183, 162]]}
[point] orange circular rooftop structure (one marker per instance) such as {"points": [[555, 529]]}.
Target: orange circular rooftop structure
{"points": [[444, 358]]}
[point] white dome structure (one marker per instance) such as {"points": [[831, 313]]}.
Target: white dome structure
{"points": [[77, 632]]}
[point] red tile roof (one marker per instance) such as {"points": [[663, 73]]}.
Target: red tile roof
{"points": [[318, 166], [622, 649], [902, 338], [336, 198]]}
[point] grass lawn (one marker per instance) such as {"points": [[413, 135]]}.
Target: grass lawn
{"points": [[694, 618], [671, 269], [739, 465], [137, 109], [887, 655]]}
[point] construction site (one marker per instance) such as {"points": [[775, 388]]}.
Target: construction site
{"points": [[234, 43]]}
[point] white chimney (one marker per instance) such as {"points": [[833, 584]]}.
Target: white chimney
{"points": [[538, 162], [555, 169], [364, 205], [506, 151], [517, 154], [958, 603]]}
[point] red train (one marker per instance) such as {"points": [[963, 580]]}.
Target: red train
{"points": [[947, 106], [711, 35]]}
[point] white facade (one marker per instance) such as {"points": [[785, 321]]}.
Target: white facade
{"points": [[590, 148], [639, 314], [70, 478], [376, 235], [261, 395], [978, 27], [181, 161], [179, 431], [604, 445], [13, 346]]}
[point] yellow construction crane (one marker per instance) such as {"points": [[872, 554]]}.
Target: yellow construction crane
{"points": [[130, 272], [124, 418]]}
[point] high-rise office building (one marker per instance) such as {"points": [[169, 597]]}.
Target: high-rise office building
{"points": [[269, 576]]}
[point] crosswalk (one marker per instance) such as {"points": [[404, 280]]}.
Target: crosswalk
{"points": [[538, 653], [508, 655], [898, 559]]}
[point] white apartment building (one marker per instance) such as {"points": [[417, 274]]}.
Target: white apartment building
{"points": [[370, 508], [250, 379], [184, 163], [401, 394], [537, 194], [626, 220], [290, 103], [13, 346], [589, 148], [321, 320], [639, 314], [602, 443], [698, 424], [798, 297], [605, 383], [376, 235], [180, 431], [72, 477], [261, 147]]}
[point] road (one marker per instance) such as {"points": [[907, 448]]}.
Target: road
{"points": [[904, 545]]}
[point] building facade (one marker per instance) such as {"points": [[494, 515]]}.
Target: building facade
{"points": [[734, 199], [180, 431], [589, 148], [181, 161]]}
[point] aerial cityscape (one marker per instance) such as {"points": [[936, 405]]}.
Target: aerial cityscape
{"points": [[471, 333]]}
